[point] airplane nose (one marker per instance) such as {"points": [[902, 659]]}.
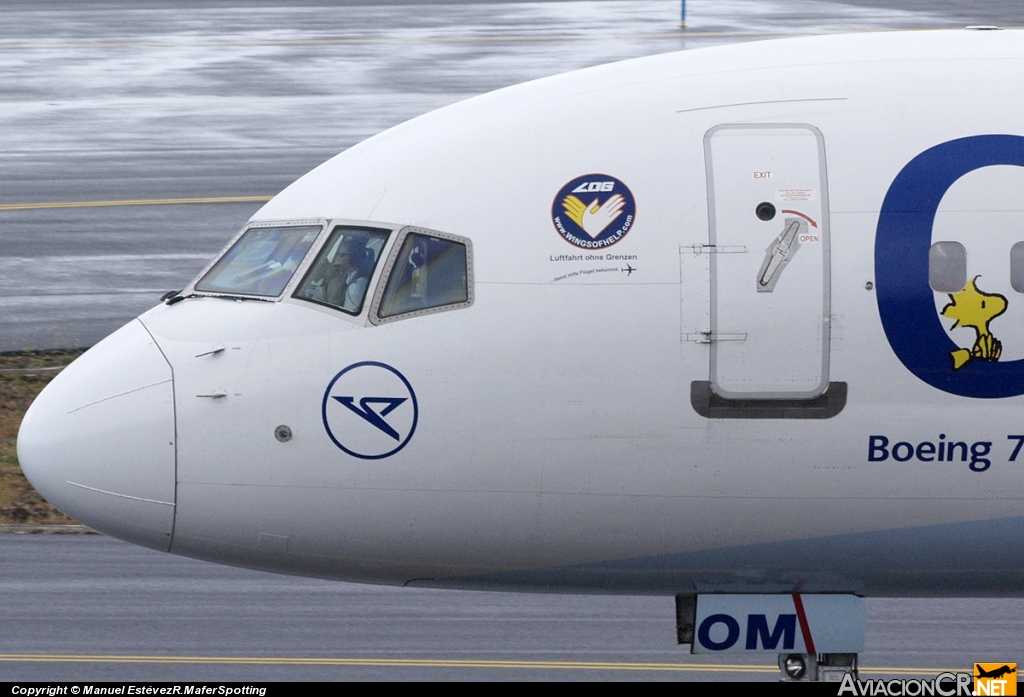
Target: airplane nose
{"points": [[98, 441]]}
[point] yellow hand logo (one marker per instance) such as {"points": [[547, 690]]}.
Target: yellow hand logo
{"points": [[574, 208], [593, 218]]}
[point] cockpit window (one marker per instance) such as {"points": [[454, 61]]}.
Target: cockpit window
{"points": [[342, 271], [261, 262], [429, 272]]}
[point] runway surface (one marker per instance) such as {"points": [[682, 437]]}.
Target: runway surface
{"points": [[136, 614], [231, 101], [173, 99]]}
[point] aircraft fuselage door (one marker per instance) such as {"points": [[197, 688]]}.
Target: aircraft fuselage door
{"points": [[769, 234]]}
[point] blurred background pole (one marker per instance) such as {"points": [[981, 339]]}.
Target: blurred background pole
{"points": [[682, 15]]}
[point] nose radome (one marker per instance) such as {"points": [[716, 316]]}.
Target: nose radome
{"points": [[98, 442]]}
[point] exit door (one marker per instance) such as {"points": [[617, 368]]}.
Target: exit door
{"points": [[769, 271]]}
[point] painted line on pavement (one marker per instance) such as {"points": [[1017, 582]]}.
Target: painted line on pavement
{"points": [[132, 202], [436, 663]]}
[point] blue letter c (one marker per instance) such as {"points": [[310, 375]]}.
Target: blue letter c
{"points": [[906, 302]]}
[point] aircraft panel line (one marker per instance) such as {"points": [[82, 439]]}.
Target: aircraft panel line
{"points": [[595, 494], [777, 101]]}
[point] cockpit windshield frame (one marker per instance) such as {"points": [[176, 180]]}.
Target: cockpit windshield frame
{"points": [[297, 272], [396, 246], [350, 285], [380, 276]]}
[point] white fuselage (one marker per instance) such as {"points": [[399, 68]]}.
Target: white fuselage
{"points": [[557, 441]]}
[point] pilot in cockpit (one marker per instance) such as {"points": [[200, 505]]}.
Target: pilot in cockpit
{"points": [[347, 284], [341, 280]]}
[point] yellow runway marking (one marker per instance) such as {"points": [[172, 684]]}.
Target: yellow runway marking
{"points": [[132, 202], [388, 662], [434, 663]]}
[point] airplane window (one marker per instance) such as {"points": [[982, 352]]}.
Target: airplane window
{"points": [[1017, 267], [428, 272], [339, 276], [261, 262], [947, 267]]}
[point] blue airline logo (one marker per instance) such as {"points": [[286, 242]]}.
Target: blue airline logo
{"points": [[365, 411], [370, 410], [906, 302]]}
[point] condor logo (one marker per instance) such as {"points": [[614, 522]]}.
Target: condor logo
{"points": [[370, 410], [779, 623]]}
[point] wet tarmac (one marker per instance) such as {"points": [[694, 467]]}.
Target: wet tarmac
{"points": [[179, 99], [145, 615]]}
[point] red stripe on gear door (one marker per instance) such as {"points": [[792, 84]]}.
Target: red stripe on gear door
{"points": [[805, 628]]}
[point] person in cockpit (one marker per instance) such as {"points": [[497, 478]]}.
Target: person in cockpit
{"points": [[341, 272], [349, 275]]}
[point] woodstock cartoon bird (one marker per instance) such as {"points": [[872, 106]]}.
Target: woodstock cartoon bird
{"points": [[973, 308]]}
